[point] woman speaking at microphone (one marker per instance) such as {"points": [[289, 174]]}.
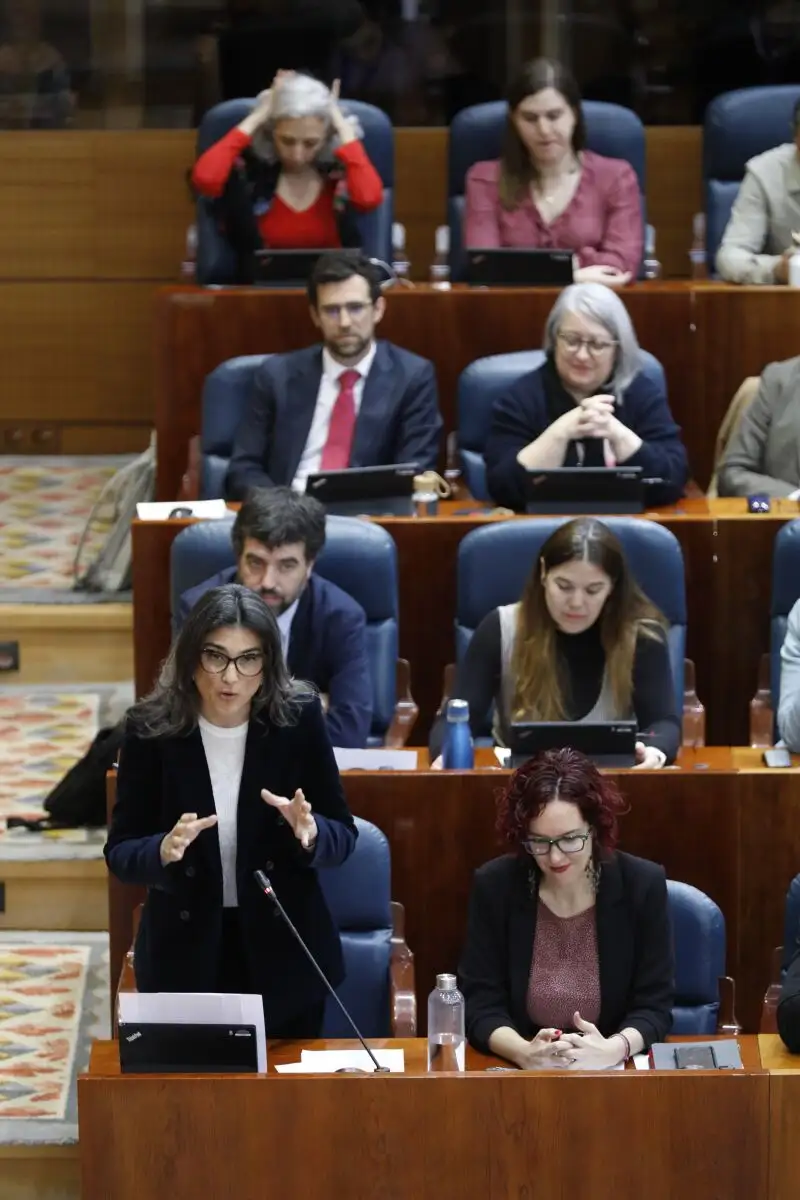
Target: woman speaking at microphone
{"points": [[226, 768]]}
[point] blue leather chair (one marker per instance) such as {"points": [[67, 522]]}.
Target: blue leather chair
{"points": [[785, 591], [791, 923], [226, 392], [216, 262], [494, 563], [476, 134], [738, 125], [361, 558], [698, 930], [378, 989], [485, 381]]}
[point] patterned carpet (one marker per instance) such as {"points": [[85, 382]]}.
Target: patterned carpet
{"points": [[44, 506], [42, 735], [53, 1004]]}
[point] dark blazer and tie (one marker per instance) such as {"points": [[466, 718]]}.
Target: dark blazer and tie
{"points": [[327, 647], [179, 939], [634, 949], [398, 420]]}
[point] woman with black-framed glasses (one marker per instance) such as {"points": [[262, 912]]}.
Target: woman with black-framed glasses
{"points": [[227, 768], [567, 961]]}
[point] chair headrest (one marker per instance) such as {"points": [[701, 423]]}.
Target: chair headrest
{"points": [[359, 891], [740, 124], [226, 393], [697, 925], [785, 569], [494, 564]]}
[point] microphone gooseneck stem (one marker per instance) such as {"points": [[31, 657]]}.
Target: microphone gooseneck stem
{"points": [[266, 887]]}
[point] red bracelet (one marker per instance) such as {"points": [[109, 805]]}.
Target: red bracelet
{"points": [[627, 1045]]}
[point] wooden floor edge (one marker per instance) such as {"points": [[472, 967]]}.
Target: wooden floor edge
{"points": [[47, 1150], [65, 616]]}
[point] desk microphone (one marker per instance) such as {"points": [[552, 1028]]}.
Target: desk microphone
{"points": [[266, 887]]}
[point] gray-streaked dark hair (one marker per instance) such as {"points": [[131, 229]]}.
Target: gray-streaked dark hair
{"points": [[173, 706], [301, 96], [599, 303]]}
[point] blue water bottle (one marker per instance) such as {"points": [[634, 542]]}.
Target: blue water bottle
{"points": [[457, 754]]}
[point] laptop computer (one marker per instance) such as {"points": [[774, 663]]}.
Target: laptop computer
{"points": [[509, 267], [366, 491], [586, 490], [606, 743], [174, 1048], [284, 268]]}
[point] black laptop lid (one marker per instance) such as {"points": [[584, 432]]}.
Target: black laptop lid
{"points": [[285, 268], [592, 738], [150, 1048], [586, 490], [506, 267], [362, 483]]}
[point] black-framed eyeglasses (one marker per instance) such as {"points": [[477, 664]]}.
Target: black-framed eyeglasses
{"points": [[573, 342], [571, 843], [215, 662], [353, 308]]}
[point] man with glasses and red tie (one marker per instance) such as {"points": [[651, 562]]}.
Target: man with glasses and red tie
{"points": [[351, 402]]}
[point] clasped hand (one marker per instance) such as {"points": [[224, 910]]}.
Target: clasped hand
{"points": [[592, 418], [297, 814], [585, 1050]]}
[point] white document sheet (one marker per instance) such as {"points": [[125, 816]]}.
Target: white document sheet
{"points": [[326, 1062], [375, 760], [196, 1008], [159, 510]]}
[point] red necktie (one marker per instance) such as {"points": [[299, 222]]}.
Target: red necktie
{"points": [[336, 452]]}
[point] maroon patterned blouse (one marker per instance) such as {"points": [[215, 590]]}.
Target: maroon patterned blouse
{"points": [[565, 972]]}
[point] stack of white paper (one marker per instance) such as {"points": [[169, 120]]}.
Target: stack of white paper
{"points": [[326, 1062], [195, 1008], [377, 759], [159, 510]]}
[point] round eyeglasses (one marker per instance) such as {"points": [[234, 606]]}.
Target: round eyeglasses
{"points": [[214, 662], [571, 843], [573, 342]]}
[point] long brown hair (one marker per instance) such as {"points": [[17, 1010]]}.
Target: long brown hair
{"points": [[626, 613], [517, 171]]}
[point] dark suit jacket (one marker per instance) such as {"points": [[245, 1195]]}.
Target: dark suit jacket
{"points": [[398, 420], [327, 647], [634, 948], [179, 937], [521, 416], [789, 1007]]}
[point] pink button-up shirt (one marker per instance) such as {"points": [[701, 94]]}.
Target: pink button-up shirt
{"points": [[602, 223]]}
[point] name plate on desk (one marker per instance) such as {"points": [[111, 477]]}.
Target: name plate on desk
{"points": [[375, 760]]}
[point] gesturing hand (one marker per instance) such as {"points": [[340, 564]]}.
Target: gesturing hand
{"points": [[188, 827], [297, 813], [343, 126]]}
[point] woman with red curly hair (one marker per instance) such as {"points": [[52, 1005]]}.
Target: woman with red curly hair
{"points": [[567, 962]]}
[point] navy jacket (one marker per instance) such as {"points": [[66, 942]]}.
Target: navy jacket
{"points": [[398, 420], [634, 949], [788, 1014], [327, 647], [521, 415], [179, 938]]}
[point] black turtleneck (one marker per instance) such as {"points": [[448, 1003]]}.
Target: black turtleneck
{"points": [[582, 663]]}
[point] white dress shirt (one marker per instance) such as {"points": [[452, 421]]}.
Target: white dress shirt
{"points": [[224, 751], [321, 422], [285, 627]]}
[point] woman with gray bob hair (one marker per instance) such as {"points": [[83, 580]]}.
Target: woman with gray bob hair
{"points": [[597, 400], [291, 175], [226, 769]]}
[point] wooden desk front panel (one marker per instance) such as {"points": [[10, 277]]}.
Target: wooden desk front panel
{"points": [[728, 559], [493, 1135]]}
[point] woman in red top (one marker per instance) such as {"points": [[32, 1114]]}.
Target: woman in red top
{"points": [[291, 175]]}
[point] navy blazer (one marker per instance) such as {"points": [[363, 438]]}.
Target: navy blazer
{"points": [[398, 420], [327, 647], [521, 416], [178, 943], [634, 949], [788, 1014]]}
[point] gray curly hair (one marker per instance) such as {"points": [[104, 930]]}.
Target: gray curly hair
{"points": [[301, 96]]}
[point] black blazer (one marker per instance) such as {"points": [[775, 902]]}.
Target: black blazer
{"points": [[398, 420], [634, 947], [178, 943], [789, 1007]]}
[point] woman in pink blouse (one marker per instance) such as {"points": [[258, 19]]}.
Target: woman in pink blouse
{"points": [[548, 192]]}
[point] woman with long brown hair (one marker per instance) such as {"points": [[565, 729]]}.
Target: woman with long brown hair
{"points": [[547, 191], [583, 644]]}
